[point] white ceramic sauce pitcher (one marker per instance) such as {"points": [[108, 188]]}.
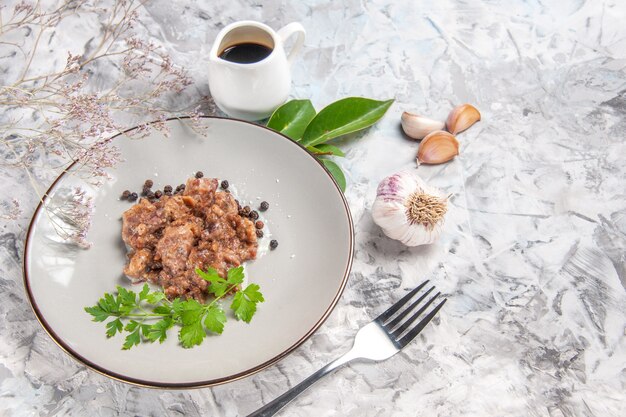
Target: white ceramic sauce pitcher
{"points": [[253, 91]]}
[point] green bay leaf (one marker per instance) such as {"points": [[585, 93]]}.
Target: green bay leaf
{"points": [[325, 148], [292, 118], [342, 117], [336, 172]]}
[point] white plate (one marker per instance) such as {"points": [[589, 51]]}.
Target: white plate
{"points": [[301, 280]]}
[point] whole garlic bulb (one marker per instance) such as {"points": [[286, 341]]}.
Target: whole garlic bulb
{"points": [[409, 210]]}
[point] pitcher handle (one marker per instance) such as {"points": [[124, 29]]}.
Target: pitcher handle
{"points": [[286, 32]]}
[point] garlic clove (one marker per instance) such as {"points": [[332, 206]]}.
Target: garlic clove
{"points": [[417, 127], [437, 148], [461, 118]]}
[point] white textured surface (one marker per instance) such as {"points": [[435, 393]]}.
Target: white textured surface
{"points": [[532, 257]]}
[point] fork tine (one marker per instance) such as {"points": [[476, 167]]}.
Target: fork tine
{"points": [[393, 323], [391, 310], [396, 333], [420, 326]]}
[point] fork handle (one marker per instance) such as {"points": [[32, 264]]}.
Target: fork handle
{"points": [[274, 406]]}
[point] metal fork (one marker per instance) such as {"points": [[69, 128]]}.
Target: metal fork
{"points": [[376, 341]]}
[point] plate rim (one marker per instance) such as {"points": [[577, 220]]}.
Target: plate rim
{"points": [[195, 384]]}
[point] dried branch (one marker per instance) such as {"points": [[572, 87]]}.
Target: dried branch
{"points": [[54, 116]]}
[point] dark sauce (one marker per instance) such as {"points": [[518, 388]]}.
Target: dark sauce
{"points": [[246, 53]]}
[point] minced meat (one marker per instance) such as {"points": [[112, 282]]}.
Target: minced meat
{"points": [[169, 238]]}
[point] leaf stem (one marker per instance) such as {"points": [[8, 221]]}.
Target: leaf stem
{"points": [[221, 296], [144, 315]]}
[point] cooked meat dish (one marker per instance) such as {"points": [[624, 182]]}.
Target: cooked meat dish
{"points": [[169, 237]]}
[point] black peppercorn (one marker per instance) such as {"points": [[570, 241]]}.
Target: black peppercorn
{"points": [[199, 174], [224, 185], [158, 194], [167, 189], [133, 197], [259, 233], [254, 214], [148, 184], [259, 224], [273, 244], [264, 206], [246, 210], [150, 195], [125, 195], [145, 191]]}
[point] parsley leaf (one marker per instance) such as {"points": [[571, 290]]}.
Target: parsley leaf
{"points": [[158, 331], [162, 310], [148, 315], [98, 313], [109, 304], [215, 319], [253, 293], [245, 301], [155, 297], [218, 285], [126, 297], [145, 329], [191, 334], [190, 312], [218, 288], [132, 339], [114, 327], [132, 325], [144, 292], [235, 275], [209, 275]]}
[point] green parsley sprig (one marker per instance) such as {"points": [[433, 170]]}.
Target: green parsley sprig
{"points": [[148, 315]]}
